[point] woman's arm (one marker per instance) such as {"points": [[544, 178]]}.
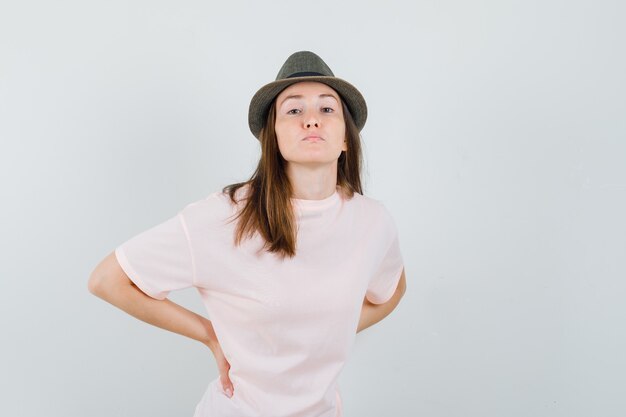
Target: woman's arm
{"points": [[109, 282], [373, 313]]}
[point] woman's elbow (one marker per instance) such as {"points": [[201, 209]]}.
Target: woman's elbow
{"points": [[105, 276], [94, 284]]}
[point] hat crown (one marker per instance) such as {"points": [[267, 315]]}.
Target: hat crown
{"points": [[303, 64]]}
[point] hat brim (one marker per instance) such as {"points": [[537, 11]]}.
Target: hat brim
{"points": [[261, 101]]}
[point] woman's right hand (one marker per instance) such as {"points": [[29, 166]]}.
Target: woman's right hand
{"points": [[223, 366]]}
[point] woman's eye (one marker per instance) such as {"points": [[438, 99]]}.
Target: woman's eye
{"points": [[294, 111], [327, 109]]}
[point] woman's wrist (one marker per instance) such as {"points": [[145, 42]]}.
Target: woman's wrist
{"points": [[209, 339]]}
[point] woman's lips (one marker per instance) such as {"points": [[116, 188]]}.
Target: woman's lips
{"points": [[313, 138]]}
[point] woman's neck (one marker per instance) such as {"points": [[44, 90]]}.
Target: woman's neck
{"points": [[312, 183]]}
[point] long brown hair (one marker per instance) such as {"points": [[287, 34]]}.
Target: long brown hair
{"points": [[267, 209]]}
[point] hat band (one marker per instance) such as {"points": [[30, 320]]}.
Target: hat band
{"points": [[305, 74]]}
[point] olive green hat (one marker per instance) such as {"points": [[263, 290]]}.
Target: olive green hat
{"points": [[304, 66]]}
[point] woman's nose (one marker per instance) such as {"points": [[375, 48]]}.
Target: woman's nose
{"points": [[311, 121]]}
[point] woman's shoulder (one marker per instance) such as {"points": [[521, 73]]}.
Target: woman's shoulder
{"points": [[216, 205], [371, 211], [365, 202]]}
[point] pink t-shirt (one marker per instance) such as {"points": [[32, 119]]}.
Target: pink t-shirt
{"points": [[285, 326]]}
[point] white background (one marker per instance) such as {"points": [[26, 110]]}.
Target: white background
{"points": [[496, 137]]}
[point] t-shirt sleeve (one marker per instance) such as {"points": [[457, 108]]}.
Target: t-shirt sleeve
{"points": [[384, 282], [159, 260]]}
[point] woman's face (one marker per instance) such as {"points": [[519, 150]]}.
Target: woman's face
{"points": [[310, 128]]}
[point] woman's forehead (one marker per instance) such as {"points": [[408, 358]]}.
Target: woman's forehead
{"points": [[307, 88]]}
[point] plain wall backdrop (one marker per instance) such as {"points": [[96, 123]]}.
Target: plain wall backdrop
{"points": [[496, 137]]}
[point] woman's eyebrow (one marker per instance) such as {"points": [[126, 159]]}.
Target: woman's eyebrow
{"points": [[295, 96], [330, 95]]}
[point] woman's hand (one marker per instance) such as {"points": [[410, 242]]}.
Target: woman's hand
{"points": [[222, 364]]}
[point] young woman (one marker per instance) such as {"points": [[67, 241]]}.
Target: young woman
{"points": [[290, 264]]}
